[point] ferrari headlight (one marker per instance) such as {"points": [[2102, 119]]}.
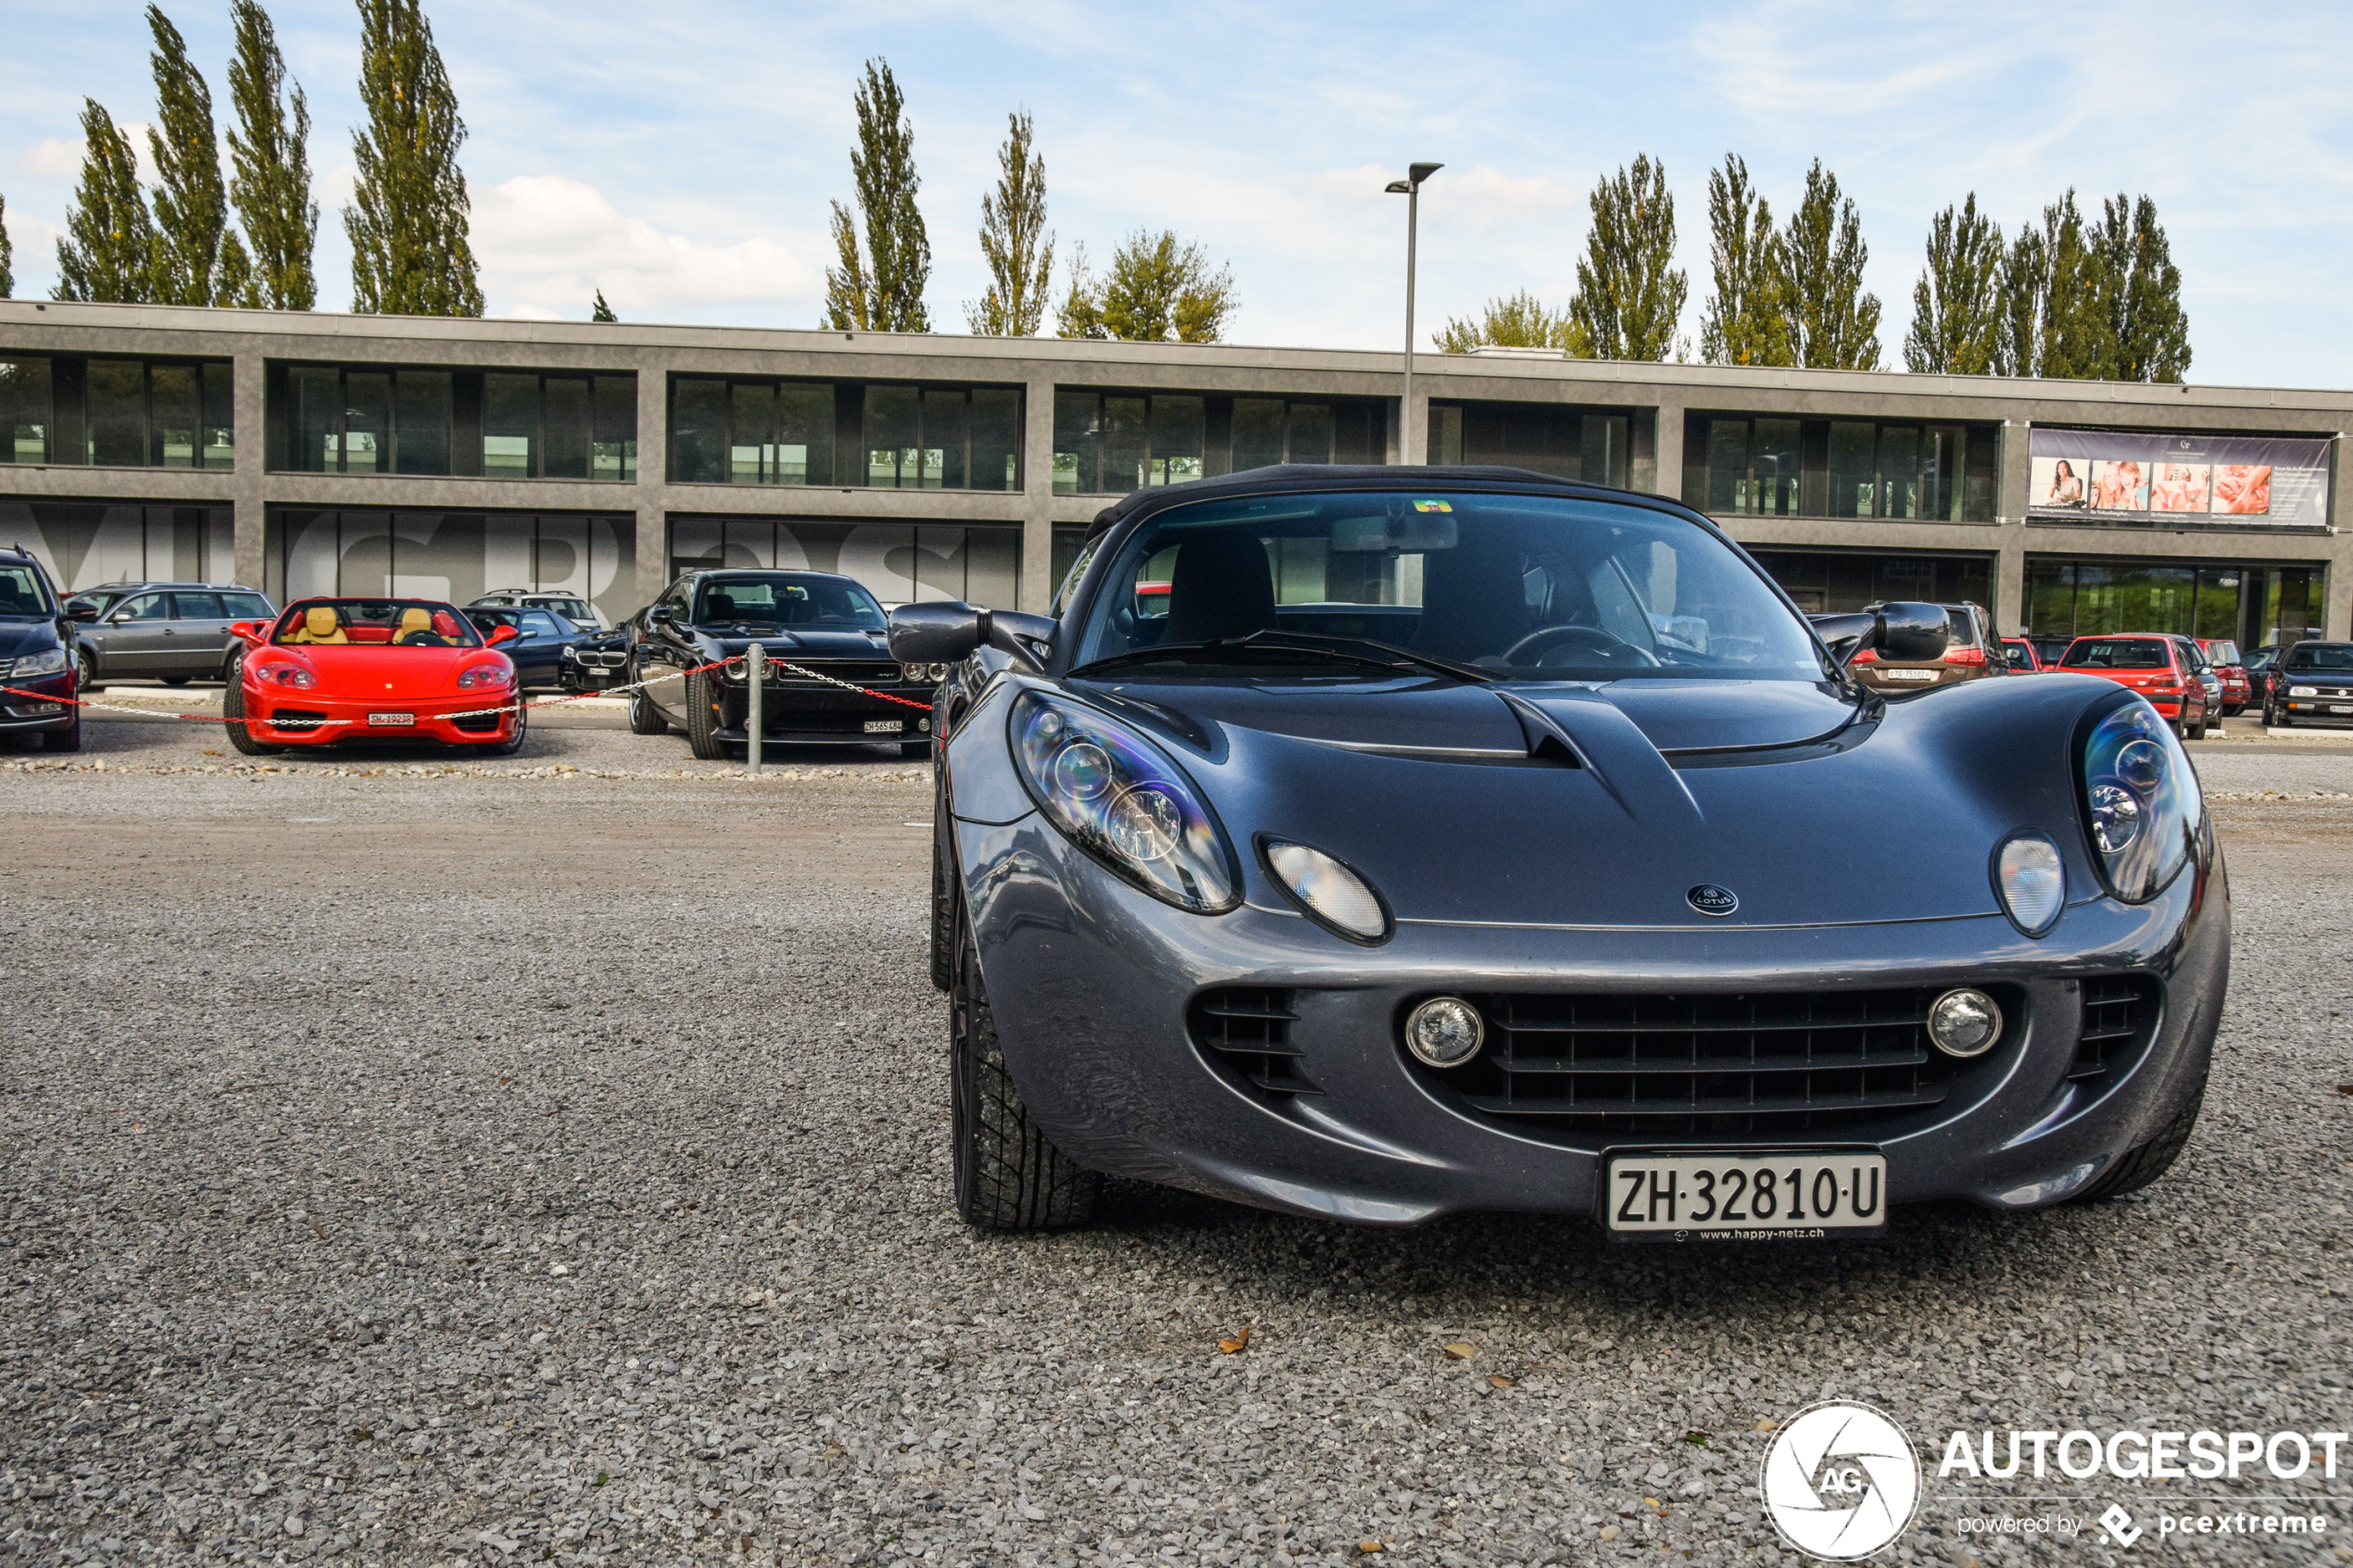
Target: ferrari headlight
{"points": [[1124, 800], [495, 675], [2140, 802], [1327, 890], [288, 675], [2031, 879], [47, 662]]}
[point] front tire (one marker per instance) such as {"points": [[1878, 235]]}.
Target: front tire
{"points": [[944, 902], [232, 714], [89, 662], [1008, 1176], [2137, 1168], [514, 743], [66, 739], [702, 719]]}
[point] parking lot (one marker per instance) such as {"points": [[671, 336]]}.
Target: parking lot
{"points": [[544, 1160]]}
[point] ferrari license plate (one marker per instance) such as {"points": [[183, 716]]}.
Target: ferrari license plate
{"points": [[1911, 674], [884, 726], [391, 720], [1788, 1195]]}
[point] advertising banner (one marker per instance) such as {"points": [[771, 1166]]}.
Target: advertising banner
{"points": [[2109, 476]]}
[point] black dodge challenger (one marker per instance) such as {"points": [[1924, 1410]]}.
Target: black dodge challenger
{"points": [[1376, 842], [831, 677]]}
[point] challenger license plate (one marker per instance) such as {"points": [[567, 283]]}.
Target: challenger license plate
{"points": [[1793, 1194], [391, 720], [884, 726]]}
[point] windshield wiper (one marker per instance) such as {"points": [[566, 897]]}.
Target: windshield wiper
{"points": [[1345, 650]]}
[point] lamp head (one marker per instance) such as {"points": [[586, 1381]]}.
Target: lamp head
{"points": [[1417, 172]]}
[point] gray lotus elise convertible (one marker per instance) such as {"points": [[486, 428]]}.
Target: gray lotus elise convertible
{"points": [[1379, 843]]}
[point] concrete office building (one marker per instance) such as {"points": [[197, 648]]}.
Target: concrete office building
{"points": [[364, 454]]}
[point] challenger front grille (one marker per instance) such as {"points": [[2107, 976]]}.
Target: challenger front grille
{"points": [[1245, 1031], [1701, 1065]]}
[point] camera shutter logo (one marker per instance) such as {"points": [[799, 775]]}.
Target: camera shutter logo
{"points": [[1841, 1481]]}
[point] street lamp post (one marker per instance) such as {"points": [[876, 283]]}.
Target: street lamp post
{"points": [[1412, 439]]}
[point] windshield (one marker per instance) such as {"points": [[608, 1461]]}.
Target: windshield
{"points": [[2117, 653], [2320, 655], [1513, 587], [2222, 653], [410, 623], [787, 600], [23, 595]]}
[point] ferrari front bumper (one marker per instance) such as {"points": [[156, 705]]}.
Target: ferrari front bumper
{"points": [[1091, 982], [310, 719]]}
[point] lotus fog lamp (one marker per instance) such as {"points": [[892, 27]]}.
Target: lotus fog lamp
{"points": [[1444, 1032], [1964, 1023], [1333, 895], [2031, 879]]}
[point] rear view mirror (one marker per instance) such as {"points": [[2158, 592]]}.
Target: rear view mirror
{"points": [[1413, 533], [1907, 632], [247, 630], [948, 633], [660, 616]]}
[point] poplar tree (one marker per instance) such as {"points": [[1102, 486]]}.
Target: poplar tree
{"points": [[1956, 315], [108, 250], [880, 287], [600, 311], [8, 256], [1156, 291], [1630, 294], [2054, 307], [408, 220], [198, 258], [2148, 332], [269, 167], [1522, 320], [1744, 322], [1014, 241], [1833, 324]]}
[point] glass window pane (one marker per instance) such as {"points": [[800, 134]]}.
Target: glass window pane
{"points": [[752, 432], [1360, 432], [1258, 432], [1978, 481], [1727, 490], [616, 428], [805, 434], [196, 607], [509, 426], [2050, 598], [219, 415], [367, 422], [1125, 437], [947, 431], [1310, 433], [1077, 435], [1445, 433], [1854, 469], [147, 606], [420, 412], [24, 410], [992, 567], [1773, 467], [698, 430], [314, 421], [996, 439], [1601, 449], [1177, 438], [1943, 453], [564, 432], [1899, 472], [175, 410], [890, 437], [118, 399]]}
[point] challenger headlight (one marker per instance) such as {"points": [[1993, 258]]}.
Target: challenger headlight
{"points": [[1124, 800], [2140, 802], [49, 661], [495, 675]]}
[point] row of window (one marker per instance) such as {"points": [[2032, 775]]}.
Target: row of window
{"points": [[1735, 466], [1111, 442], [486, 424], [117, 413], [738, 430]]}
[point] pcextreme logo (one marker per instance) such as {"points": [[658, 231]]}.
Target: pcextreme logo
{"points": [[1841, 1481]]}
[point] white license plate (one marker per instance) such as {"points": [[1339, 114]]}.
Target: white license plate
{"points": [[391, 720], [1791, 1194], [884, 726], [2334, 708], [1909, 674]]}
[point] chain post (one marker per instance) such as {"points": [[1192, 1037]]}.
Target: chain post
{"points": [[755, 721]]}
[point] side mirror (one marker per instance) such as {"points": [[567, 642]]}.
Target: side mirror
{"points": [[1901, 632], [946, 633], [661, 616], [503, 635], [86, 614], [119, 617], [247, 630]]}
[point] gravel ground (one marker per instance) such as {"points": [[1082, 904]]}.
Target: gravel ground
{"points": [[435, 1168]]}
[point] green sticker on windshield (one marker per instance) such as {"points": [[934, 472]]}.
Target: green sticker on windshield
{"points": [[1432, 507]]}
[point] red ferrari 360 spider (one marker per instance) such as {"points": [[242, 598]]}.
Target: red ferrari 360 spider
{"points": [[339, 670]]}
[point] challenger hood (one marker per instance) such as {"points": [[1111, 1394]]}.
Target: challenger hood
{"points": [[1606, 804]]}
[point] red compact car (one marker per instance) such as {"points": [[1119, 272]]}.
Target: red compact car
{"points": [[2153, 666], [345, 668], [2237, 690]]}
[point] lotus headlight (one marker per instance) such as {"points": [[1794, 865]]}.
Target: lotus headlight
{"points": [[1124, 800], [48, 661], [2142, 807]]}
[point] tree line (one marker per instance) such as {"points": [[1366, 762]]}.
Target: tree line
{"points": [[2097, 298], [177, 244]]}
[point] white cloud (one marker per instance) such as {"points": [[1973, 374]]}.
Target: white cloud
{"points": [[52, 158], [546, 245]]}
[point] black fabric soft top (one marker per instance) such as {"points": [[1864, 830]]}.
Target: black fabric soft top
{"points": [[1294, 477]]}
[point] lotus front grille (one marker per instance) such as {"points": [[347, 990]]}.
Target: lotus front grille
{"points": [[1245, 1032]]}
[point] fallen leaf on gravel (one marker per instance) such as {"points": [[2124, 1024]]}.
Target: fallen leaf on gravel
{"points": [[1461, 1350], [1609, 1531], [1368, 1546], [1499, 1381], [1767, 1426], [316, 1228], [2345, 1088], [1237, 1344], [1650, 1502]]}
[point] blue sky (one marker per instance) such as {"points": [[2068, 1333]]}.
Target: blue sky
{"points": [[682, 155]]}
